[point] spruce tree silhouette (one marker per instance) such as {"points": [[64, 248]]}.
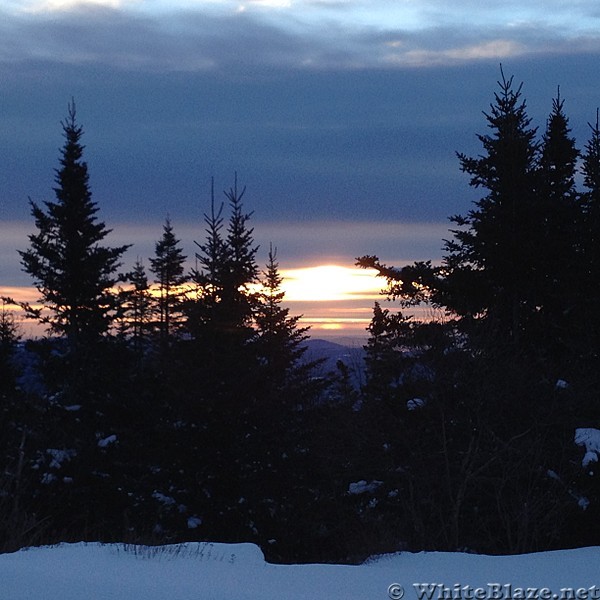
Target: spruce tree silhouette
{"points": [[488, 261], [168, 266], [72, 271]]}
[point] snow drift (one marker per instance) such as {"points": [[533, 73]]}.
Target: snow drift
{"points": [[205, 571]]}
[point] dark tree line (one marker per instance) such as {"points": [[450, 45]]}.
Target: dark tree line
{"points": [[510, 371], [162, 405], [168, 404]]}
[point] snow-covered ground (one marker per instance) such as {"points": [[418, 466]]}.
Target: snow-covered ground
{"points": [[238, 572]]}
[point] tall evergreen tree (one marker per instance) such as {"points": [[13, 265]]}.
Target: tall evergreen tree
{"points": [[168, 267], [9, 338], [589, 284], [558, 157], [281, 343], [488, 261], [556, 262], [492, 403], [222, 303], [135, 310], [385, 360], [242, 269], [72, 271], [220, 320], [211, 258], [591, 167], [227, 271]]}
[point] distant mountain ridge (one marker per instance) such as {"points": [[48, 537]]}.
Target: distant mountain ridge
{"points": [[332, 352]]}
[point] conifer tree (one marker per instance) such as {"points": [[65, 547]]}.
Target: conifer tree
{"points": [[9, 338], [242, 269], [591, 168], [384, 361], [227, 271], [558, 157], [168, 267], [510, 274], [488, 261], [281, 342], [72, 271], [557, 256], [221, 356], [207, 276], [488, 276], [589, 284], [221, 308], [135, 310]]}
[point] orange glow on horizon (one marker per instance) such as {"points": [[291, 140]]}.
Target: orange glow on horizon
{"points": [[327, 283], [332, 299]]}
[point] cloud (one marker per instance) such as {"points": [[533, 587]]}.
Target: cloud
{"points": [[449, 46], [99, 35], [498, 49], [51, 6], [265, 4], [315, 34], [344, 5], [185, 41], [303, 244], [298, 244], [339, 242]]}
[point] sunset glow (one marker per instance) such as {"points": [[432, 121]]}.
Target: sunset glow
{"points": [[330, 283], [333, 300]]}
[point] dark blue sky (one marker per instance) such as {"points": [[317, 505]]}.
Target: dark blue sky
{"points": [[341, 118]]}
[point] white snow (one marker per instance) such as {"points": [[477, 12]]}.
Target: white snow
{"points": [[59, 456], [361, 487], [583, 502], [589, 438], [203, 571], [163, 498], [194, 522], [415, 403], [107, 441]]}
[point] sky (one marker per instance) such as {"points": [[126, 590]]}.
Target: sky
{"points": [[341, 117]]}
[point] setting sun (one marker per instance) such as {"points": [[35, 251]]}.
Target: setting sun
{"points": [[330, 283], [332, 299]]}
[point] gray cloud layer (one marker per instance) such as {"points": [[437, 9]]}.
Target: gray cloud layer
{"points": [[204, 39]]}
